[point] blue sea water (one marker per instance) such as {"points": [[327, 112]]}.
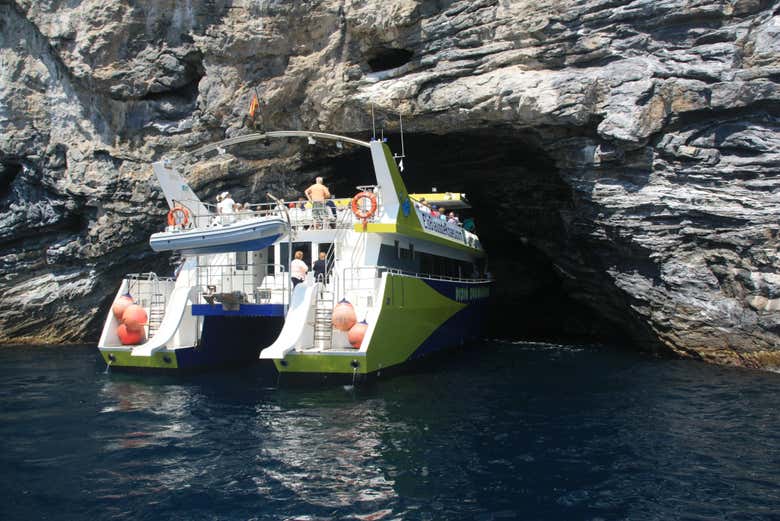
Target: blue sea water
{"points": [[496, 432]]}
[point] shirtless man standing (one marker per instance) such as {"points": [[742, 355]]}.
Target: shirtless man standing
{"points": [[317, 194]]}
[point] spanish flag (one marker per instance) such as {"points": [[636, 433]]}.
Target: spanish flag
{"points": [[253, 106]]}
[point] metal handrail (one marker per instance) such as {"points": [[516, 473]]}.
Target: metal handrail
{"points": [[223, 279], [290, 211]]}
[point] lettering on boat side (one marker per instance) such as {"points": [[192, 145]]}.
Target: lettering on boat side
{"points": [[471, 293], [434, 224]]}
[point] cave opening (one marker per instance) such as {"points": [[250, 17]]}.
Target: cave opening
{"points": [[386, 58], [518, 199], [8, 172]]}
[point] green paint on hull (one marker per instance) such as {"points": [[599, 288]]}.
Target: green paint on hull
{"points": [[321, 363], [411, 312], [124, 358]]}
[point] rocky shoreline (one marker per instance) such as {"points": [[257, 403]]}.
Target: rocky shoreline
{"points": [[630, 149]]}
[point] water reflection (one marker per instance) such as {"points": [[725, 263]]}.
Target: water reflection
{"points": [[517, 431], [328, 455]]}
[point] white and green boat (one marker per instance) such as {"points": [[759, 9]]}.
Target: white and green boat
{"points": [[399, 283]]}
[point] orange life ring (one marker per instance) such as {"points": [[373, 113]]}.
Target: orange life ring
{"points": [[178, 216], [364, 214]]}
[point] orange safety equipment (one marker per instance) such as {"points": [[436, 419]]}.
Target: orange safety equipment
{"points": [[178, 216], [360, 213]]}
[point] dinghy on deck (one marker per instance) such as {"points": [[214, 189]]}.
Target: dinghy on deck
{"points": [[242, 235]]}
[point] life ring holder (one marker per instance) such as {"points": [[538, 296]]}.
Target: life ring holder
{"points": [[178, 216], [364, 215]]}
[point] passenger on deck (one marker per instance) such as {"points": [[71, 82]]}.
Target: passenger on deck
{"points": [[225, 207], [321, 268], [469, 225], [434, 211], [453, 219], [423, 206], [298, 269], [331, 204], [443, 214], [318, 193]]}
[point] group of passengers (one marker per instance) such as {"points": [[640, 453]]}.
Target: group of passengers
{"points": [[299, 269], [229, 210], [322, 204], [440, 212]]}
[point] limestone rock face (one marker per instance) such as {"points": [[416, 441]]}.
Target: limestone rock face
{"points": [[657, 199]]}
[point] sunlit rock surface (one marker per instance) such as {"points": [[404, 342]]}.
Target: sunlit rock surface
{"points": [[647, 173]]}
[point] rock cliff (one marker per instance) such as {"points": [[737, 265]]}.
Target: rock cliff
{"points": [[632, 146]]}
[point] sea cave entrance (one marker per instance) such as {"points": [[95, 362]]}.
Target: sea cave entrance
{"points": [[520, 203]]}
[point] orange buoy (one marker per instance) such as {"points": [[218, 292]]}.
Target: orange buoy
{"points": [[356, 334], [121, 304], [134, 317], [178, 216], [344, 316], [130, 337], [359, 203]]}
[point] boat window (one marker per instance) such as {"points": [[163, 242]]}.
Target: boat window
{"points": [[269, 259], [305, 247], [241, 261], [397, 250]]}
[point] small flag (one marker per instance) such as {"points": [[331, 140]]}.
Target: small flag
{"points": [[401, 165], [253, 106]]}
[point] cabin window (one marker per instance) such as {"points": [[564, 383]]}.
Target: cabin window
{"points": [[270, 260], [241, 261], [405, 254], [397, 250]]}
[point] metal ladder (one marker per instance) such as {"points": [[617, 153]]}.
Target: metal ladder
{"points": [[323, 310], [156, 308]]}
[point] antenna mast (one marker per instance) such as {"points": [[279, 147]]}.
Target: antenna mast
{"points": [[401, 124], [373, 123]]}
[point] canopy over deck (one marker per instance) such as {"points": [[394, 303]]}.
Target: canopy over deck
{"points": [[449, 200]]}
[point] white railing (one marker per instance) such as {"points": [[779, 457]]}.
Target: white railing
{"points": [[300, 213], [229, 283], [143, 287]]}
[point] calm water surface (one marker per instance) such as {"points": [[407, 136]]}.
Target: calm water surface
{"points": [[500, 431]]}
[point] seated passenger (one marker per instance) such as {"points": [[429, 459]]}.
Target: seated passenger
{"points": [[434, 211]]}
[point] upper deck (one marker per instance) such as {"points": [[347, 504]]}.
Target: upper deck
{"points": [[398, 211]]}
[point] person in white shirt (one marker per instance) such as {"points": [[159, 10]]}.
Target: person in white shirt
{"points": [[225, 207], [298, 269]]}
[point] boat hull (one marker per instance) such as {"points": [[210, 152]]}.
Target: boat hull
{"points": [[419, 317], [249, 235], [225, 341]]}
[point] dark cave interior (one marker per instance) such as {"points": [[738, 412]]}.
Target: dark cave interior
{"points": [[517, 197]]}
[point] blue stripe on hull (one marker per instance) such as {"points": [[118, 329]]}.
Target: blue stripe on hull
{"points": [[245, 310], [230, 341], [464, 326], [254, 245]]}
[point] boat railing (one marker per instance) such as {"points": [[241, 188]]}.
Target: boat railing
{"points": [[233, 284], [150, 292], [430, 276], [300, 213], [363, 278]]}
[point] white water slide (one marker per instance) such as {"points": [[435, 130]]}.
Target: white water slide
{"points": [[297, 329]]}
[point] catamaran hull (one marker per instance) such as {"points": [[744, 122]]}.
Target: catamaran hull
{"points": [[252, 235], [224, 342], [419, 317]]}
